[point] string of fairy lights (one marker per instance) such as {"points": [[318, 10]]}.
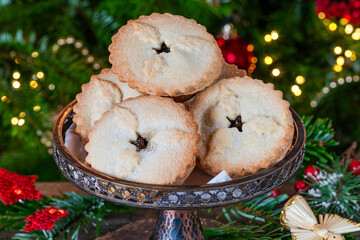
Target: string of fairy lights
{"points": [[33, 84], [17, 83], [340, 81], [78, 44], [343, 56], [268, 60]]}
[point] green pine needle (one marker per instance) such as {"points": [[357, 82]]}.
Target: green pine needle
{"points": [[337, 191], [319, 137], [84, 211], [254, 219]]}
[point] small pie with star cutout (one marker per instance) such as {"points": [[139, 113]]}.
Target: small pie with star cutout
{"points": [[244, 124], [165, 54], [97, 97], [147, 139], [134, 130]]}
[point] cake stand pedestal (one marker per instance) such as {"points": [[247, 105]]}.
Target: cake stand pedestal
{"points": [[178, 204]]}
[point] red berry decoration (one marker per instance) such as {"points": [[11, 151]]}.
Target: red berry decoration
{"points": [[300, 185], [274, 193], [355, 167], [311, 172]]}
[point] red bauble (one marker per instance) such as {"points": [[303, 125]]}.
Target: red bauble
{"points": [[300, 185], [340, 9], [311, 172], [274, 193], [236, 51], [15, 187], [355, 167], [44, 219]]}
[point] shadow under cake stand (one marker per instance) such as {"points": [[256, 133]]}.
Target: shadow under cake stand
{"points": [[178, 217]]}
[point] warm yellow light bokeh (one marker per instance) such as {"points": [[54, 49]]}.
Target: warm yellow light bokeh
{"points": [[355, 36], [348, 53], [21, 122], [332, 26], [337, 68], [340, 60], [16, 84], [36, 108], [275, 72], [268, 60], [40, 74], [274, 35], [298, 93], [349, 29], [267, 38], [250, 47], [337, 50], [22, 114], [33, 84], [295, 88], [35, 54], [321, 15], [16, 75], [300, 79], [4, 98], [343, 21], [14, 121]]}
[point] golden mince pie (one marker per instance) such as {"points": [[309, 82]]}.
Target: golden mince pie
{"points": [[167, 55], [244, 124], [97, 97], [147, 139]]}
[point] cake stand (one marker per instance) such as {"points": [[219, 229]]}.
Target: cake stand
{"points": [[178, 204]]}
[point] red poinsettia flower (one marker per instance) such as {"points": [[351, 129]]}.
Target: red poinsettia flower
{"points": [[44, 219], [15, 187]]}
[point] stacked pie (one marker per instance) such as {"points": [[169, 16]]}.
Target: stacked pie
{"points": [[170, 102]]}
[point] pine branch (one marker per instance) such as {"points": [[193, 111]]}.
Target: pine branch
{"points": [[319, 137], [83, 210], [336, 190], [251, 232], [254, 219], [13, 216], [258, 209]]}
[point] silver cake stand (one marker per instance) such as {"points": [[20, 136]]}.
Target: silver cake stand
{"points": [[178, 218]]}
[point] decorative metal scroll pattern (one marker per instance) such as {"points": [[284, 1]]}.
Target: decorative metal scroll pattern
{"points": [[151, 198]]}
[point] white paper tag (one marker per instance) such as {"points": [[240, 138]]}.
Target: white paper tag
{"points": [[221, 177]]}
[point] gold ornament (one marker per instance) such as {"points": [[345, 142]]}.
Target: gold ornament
{"points": [[299, 218]]}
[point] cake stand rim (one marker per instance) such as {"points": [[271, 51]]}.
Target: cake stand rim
{"points": [[291, 156]]}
